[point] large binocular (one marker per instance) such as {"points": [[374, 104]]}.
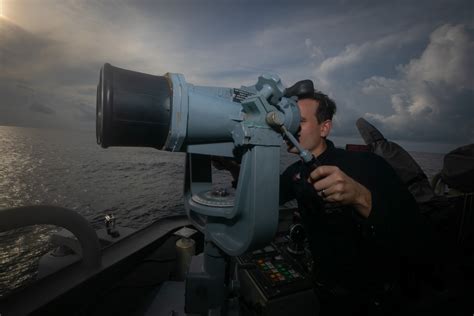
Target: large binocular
{"points": [[166, 112]]}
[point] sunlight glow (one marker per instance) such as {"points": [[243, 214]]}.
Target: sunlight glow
{"points": [[1, 8]]}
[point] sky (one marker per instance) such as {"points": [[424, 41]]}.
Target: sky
{"points": [[405, 66]]}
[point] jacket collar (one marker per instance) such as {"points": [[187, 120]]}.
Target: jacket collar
{"points": [[328, 152]]}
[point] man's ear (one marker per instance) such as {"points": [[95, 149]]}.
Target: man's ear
{"points": [[326, 128]]}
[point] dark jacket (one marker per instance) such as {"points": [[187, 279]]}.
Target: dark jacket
{"points": [[351, 251]]}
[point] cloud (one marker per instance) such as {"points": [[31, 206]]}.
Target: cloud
{"points": [[448, 59], [434, 94], [376, 84], [315, 51], [369, 55], [351, 50], [23, 54], [41, 108], [85, 112], [415, 84]]}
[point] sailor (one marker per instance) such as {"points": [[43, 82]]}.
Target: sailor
{"points": [[364, 228], [365, 232]]}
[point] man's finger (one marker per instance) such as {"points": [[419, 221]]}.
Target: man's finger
{"points": [[321, 172], [334, 197], [325, 183]]}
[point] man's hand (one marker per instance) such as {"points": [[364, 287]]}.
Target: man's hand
{"points": [[333, 185]]}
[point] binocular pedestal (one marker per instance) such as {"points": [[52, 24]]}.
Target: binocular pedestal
{"points": [[207, 287], [206, 291]]}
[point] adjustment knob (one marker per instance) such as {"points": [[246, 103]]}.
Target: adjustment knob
{"points": [[297, 236]]}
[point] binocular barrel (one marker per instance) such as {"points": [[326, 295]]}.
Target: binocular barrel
{"points": [[133, 108]]}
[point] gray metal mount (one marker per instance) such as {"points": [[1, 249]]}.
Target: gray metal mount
{"points": [[247, 221]]}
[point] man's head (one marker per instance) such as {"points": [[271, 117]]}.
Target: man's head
{"points": [[316, 110]]}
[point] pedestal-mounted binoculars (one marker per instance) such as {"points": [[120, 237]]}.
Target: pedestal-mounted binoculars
{"points": [[167, 113]]}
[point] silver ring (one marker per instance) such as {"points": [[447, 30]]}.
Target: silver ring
{"points": [[322, 193]]}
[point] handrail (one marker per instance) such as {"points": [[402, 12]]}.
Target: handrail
{"points": [[22, 216]]}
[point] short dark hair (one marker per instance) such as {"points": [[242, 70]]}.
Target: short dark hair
{"points": [[304, 89], [326, 108]]}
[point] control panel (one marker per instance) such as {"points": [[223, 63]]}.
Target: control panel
{"points": [[274, 271], [275, 280]]}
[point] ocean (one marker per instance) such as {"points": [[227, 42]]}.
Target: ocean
{"points": [[68, 169]]}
